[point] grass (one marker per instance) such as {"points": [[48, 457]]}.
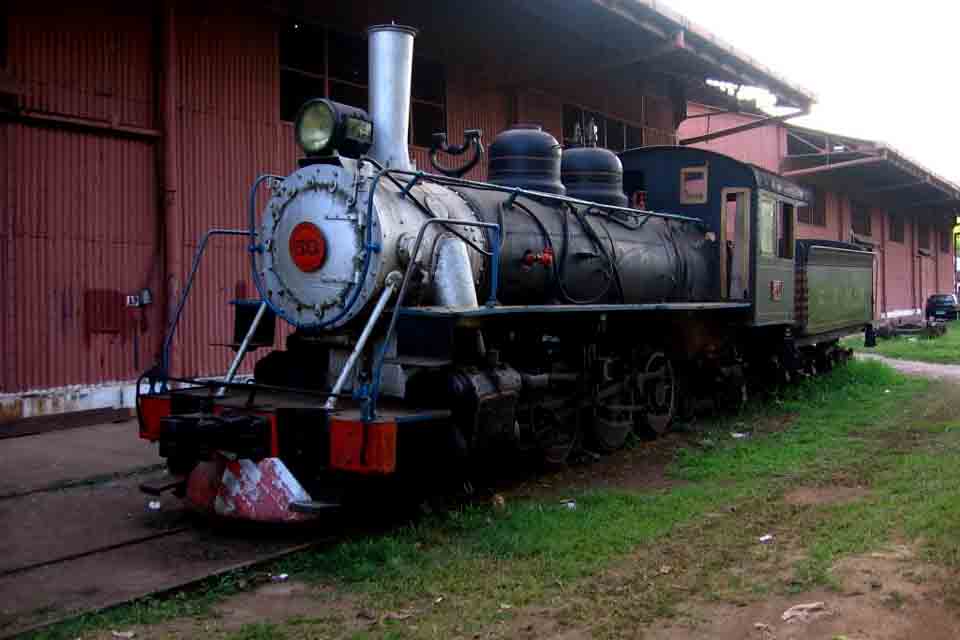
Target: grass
{"points": [[147, 611], [258, 631], [942, 350], [602, 564]]}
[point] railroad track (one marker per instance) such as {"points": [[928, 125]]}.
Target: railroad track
{"points": [[89, 545], [24, 627], [91, 552], [71, 585], [83, 482]]}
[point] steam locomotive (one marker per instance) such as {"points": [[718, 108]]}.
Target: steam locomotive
{"points": [[440, 321]]}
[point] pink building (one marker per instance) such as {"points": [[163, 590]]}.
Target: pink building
{"points": [[866, 192], [127, 131]]}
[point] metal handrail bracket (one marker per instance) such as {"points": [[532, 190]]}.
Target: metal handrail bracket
{"points": [[370, 397], [172, 328]]}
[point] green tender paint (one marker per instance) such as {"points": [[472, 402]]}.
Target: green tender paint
{"points": [[838, 297]]}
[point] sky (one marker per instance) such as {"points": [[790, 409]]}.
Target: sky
{"points": [[881, 70]]}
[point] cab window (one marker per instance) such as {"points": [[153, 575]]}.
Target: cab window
{"points": [[693, 185], [777, 227], [767, 227], [785, 231]]}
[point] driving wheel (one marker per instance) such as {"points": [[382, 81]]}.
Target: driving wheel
{"points": [[657, 383], [613, 419]]}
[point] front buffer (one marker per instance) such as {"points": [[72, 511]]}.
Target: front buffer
{"points": [[273, 460]]}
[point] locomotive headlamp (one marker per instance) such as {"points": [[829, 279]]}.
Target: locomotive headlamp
{"points": [[324, 127], [315, 125]]}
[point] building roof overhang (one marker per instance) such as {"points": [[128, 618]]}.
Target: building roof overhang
{"points": [[870, 171], [688, 49], [552, 43]]}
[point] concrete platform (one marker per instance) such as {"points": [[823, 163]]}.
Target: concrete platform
{"points": [[60, 458]]}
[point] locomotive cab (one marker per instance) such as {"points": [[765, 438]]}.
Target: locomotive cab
{"points": [[751, 212]]}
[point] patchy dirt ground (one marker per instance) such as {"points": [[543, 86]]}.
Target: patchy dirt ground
{"points": [[642, 467], [880, 596], [887, 595], [915, 368], [714, 577], [835, 494]]}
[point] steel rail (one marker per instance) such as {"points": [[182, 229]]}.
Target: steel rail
{"points": [[92, 552], [168, 590]]}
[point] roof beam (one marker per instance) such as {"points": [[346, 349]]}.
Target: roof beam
{"points": [[802, 140], [824, 154], [673, 43], [835, 165], [933, 203], [619, 10], [743, 127], [895, 187]]}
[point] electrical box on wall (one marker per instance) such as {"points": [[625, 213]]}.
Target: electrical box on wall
{"points": [[141, 299]]}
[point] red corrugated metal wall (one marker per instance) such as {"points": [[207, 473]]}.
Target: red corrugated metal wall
{"points": [[543, 109], [929, 274], [474, 105], [8, 308], [81, 222], [84, 62], [230, 133], [761, 147], [946, 262], [79, 217], [899, 294]]}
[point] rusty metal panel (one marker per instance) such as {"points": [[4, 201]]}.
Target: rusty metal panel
{"points": [[928, 277], [81, 225], [473, 106], [82, 234], [658, 113], [84, 62], [6, 262], [230, 133], [544, 109]]}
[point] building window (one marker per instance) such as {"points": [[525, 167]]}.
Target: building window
{"points": [[693, 185], [861, 219], [896, 228], [816, 212], [923, 235], [945, 241], [428, 109], [611, 133], [319, 63]]}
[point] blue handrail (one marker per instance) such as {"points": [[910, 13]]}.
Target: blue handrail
{"points": [[168, 340], [369, 396]]}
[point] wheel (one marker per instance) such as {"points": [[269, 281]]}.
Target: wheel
{"points": [[556, 436], [731, 394], [657, 383], [613, 420]]}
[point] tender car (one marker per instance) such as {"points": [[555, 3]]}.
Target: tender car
{"points": [[941, 306]]}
